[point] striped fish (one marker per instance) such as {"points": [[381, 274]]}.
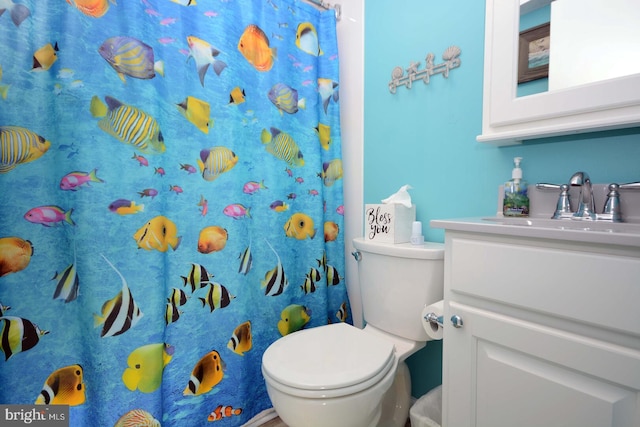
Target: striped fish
{"points": [[171, 313], [17, 335], [178, 297], [246, 259], [67, 284], [275, 280], [129, 124], [333, 277], [282, 145], [19, 145], [130, 56], [309, 286], [198, 277], [217, 297], [120, 313], [215, 161], [285, 98]]}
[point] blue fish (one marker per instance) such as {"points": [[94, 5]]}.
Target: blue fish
{"points": [[130, 56], [286, 98]]}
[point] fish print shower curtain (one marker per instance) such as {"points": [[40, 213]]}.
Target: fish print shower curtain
{"points": [[170, 204]]}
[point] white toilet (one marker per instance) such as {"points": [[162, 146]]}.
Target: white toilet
{"points": [[340, 375]]}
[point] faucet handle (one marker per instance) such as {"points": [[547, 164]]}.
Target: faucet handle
{"points": [[630, 186], [612, 210], [563, 207]]}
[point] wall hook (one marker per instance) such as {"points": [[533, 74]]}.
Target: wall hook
{"points": [[450, 56]]}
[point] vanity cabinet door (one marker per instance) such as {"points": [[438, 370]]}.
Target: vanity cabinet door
{"points": [[500, 371]]}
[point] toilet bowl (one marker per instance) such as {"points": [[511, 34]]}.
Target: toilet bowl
{"points": [[333, 375], [340, 375]]}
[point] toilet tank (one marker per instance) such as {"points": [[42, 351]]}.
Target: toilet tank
{"points": [[396, 282]]}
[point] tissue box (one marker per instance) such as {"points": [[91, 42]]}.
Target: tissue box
{"points": [[388, 223]]}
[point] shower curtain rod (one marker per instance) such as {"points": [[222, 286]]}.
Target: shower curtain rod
{"points": [[325, 5]]}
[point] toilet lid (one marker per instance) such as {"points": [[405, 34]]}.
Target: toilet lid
{"points": [[327, 357]]}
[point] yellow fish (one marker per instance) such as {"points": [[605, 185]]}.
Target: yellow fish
{"points": [[215, 161], [44, 57], [300, 226], [212, 239], [15, 254], [19, 145], [241, 340], [237, 96], [64, 386], [206, 374], [128, 124], [197, 112], [146, 364], [18, 335], [331, 172], [324, 134], [160, 233], [331, 231], [307, 39], [293, 318], [254, 46], [282, 145]]}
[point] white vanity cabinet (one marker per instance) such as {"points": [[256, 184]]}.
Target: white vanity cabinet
{"points": [[550, 332]]}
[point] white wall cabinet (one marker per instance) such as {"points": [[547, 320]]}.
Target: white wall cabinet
{"points": [[550, 334]]}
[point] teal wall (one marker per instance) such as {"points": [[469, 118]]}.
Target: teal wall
{"points": [[425, 136]]}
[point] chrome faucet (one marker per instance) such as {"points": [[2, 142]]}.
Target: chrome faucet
{"points": [[586, 207]]}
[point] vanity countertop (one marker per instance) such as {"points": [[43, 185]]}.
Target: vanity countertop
{"points": [[621, 234]]}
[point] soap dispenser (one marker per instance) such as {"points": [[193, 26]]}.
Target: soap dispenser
{"points": [[516, 201]]}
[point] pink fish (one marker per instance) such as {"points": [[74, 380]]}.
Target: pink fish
{"points": [[159, 171], [72, 181], [166, 40], [313, 192], [307, 68], [299, 180], [204, 204], [289, 172], [49, 215], [237, 211], [189, 168], [253, 186], [152, 12], [168, 21], [340, 210], [291, 196], [141, 159], [148, 192], [210, 14], [175, 188]]}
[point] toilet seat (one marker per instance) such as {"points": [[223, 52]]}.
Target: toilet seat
{"points": [[335, 360]]}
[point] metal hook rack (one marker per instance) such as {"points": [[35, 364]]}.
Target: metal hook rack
{"points": [[450, 56]]}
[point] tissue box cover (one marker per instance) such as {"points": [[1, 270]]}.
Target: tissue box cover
{"points": [[388, 223]]}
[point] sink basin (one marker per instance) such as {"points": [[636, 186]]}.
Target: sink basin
{"points": [[568, 224], [585, 232]]}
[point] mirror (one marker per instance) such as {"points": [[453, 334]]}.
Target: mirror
{"points": [[586, 46], [574, 107]]}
